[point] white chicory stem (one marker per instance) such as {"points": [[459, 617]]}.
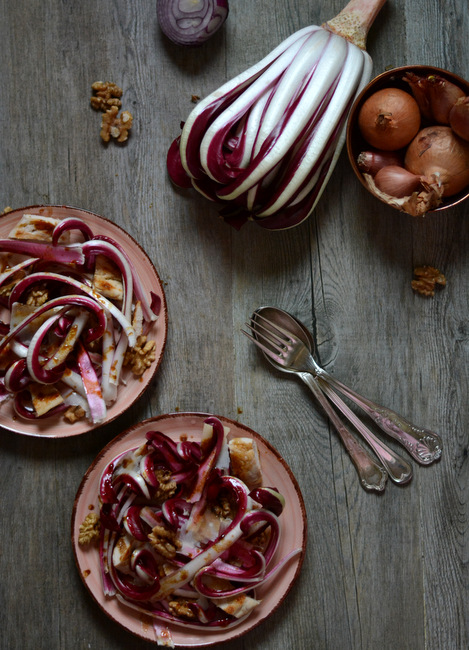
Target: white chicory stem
{"points": [[66, 346], [109, 389]]}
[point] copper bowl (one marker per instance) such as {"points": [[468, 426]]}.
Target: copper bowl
{"points": [[394, 79]]}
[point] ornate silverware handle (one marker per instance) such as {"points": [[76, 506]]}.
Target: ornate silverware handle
{"points": [[371, 474], [399, 470], [423, 445]]}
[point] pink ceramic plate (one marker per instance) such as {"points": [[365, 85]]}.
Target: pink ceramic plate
{"points": [[276, 473], [56, 426]]}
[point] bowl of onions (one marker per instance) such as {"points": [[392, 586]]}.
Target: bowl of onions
{"points": [[408, 138]]}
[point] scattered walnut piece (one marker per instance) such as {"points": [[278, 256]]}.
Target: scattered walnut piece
{"points": [[106, 94], [195, 99], [114, 126], [164, 541], [140, 357], [167, 487], [74, 413], [38, 296], [89, 529], [426, 278], [181, 607], [223, 508], [7, 210]]}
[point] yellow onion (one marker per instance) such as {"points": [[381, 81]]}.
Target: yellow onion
{"points": [[389, 119], [440, 156]]}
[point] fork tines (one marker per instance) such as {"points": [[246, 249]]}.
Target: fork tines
{"points": [[266, 337]]}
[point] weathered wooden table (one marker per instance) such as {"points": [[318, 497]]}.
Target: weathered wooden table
{"points": [[388, 571]]}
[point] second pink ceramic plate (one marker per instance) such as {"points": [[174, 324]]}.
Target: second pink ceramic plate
{"points": [[293, 524]]}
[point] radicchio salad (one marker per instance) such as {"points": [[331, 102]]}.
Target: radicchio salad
{"points": [[74, 313], [186, 529]]}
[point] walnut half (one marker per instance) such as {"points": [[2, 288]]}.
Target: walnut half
{"points": [[426, 279], [106, 94], [164, 541], [115, 126], [89, 529], [140, 357], [74, 413]]}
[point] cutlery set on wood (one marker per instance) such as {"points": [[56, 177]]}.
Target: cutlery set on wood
{"points": [[289, 346]]}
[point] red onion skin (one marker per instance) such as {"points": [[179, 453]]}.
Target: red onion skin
{"points": [[459, 118], [435, 96]]}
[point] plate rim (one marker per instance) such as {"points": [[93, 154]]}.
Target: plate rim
{"points": [[233, 634], [164, 312]]}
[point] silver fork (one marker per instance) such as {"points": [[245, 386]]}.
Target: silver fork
{"points": [[290, 353]]}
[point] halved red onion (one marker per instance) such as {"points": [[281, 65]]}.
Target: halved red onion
{"points": [[191, 22]]}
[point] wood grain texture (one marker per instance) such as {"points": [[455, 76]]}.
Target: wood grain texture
{"points": [[387, 571]]}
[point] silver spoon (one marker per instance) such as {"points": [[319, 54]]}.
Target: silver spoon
{"points": [[423, 445], [286, 346], [372, 474]]}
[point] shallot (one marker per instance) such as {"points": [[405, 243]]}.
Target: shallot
{"points": [[435, 95], [265, 143], [397, 181], [372, 161], [459, 118]]}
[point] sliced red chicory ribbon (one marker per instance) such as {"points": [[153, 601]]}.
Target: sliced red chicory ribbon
{"points": [[48, 252]]}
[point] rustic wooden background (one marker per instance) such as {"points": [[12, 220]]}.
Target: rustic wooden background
{"points": [[387, 571]]}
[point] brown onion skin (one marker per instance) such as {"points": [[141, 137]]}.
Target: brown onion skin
{"points": [[389, 119], [459, 118], [437, 153]]}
